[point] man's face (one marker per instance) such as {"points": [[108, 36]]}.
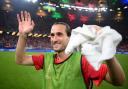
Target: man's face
{"points": [[59, 38]]}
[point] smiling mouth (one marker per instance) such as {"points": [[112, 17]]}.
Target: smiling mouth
{"points": [[56, 44]]}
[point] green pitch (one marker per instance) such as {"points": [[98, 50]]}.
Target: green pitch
{"points": [[13, 76]]}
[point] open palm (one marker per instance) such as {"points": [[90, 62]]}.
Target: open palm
{"points": [[26, 25]]}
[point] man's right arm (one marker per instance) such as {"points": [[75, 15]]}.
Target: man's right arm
{"points": [[21, 57], [26, 25]]}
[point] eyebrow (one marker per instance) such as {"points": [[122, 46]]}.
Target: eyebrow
{"points": [[58, 33]]}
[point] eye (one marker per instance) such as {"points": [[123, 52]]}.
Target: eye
{"points": [[52, 35], [56, 34]]}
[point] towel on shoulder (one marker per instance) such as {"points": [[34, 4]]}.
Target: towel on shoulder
{"points": [[95, 42]]}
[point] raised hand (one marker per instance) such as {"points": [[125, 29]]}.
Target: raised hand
{"points": [[26, 24]]}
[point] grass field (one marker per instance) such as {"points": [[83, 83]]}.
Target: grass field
{"points": [[13, 76]]}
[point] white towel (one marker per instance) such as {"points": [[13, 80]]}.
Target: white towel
{"points": [[97, 46]]}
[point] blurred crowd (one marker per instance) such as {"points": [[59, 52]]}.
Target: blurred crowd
{"points": [[10, 41], [123, 46]]}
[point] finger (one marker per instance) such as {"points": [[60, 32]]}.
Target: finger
{"points": [[18, 18], [32, 23], [22, 16], [29, 16], [26, 16]]}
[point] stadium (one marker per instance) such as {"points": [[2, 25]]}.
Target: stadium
{"points": [[112, 13]]}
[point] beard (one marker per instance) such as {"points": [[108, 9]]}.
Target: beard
{"points": [[58, 48], [58, 51]]}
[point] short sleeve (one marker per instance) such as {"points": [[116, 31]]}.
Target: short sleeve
{"points": [[100, 75], [38, 61], [90, 73]]}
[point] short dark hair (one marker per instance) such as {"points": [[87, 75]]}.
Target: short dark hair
{"points": [[68, 29]]}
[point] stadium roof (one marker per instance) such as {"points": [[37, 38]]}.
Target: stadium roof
{"points": [[9, 22]]}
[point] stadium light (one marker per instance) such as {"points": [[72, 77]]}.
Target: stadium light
{"points": [[13, 33], [36, 34], [7, 5], [28, 0], [44, 35], [18, 34], [111, 10], [33, 1], [30, 34], [39, 35], [8, 32], [125, 7], [118, 9], [1, 32]]}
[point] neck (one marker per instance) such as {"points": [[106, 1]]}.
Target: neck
{"points": [[62, 55]]}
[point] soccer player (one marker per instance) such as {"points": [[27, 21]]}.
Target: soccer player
{"points": [[62, 71]]}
